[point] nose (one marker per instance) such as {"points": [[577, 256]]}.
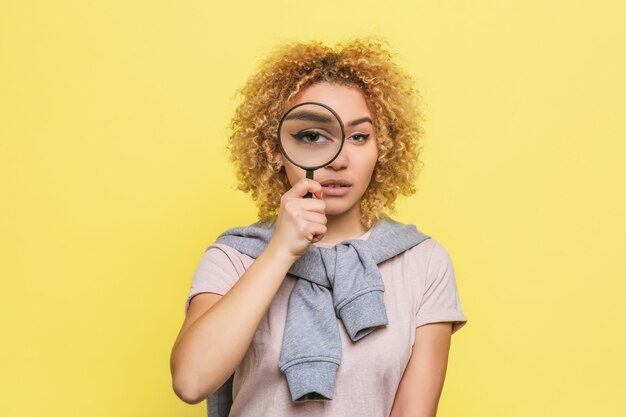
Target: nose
{"points": [[341, 161]]}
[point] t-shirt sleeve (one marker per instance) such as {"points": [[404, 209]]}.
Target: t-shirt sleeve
{"points": [[440, 299], [216, 273]]}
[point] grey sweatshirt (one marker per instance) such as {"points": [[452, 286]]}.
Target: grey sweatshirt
{"points": [[339, 282]]}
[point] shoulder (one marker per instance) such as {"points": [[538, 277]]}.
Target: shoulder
{"points": [[222, 253], [221, 250], [418, 263], [426, 262], [429, 251]]}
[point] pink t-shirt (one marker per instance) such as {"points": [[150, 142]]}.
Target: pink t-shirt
{"points": [[420, 288]]}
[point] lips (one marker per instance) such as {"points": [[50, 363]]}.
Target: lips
{"points": [[332, 183], [335, 187]]}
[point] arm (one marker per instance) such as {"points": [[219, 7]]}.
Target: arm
{"points": [[217, 334], [422, 382], [217, 331]]}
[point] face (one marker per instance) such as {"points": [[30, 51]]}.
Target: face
{"points": [[355, 164]]}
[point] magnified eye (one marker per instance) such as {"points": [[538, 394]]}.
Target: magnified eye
{"points": [[310, 137]]}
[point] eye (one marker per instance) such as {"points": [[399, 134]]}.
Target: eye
{"points": [[310, 137], [358, 135]]}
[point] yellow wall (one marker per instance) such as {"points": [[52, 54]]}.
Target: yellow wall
{"points": [[114, 178]]}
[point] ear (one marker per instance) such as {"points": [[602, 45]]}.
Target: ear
{"points": [[278, 156]]}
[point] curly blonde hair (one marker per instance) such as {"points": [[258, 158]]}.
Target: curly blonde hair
{"points": [[363, 63]]}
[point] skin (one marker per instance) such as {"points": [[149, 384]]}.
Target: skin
{"points": [[355, 163], [217, 331], [422, 382]]}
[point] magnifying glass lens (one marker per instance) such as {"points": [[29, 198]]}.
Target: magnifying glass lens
{"points": [[311, 135]]}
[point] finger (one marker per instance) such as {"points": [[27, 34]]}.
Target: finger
{"points": [[310, 204], [304, 186], [317, 232], [314, 217]]}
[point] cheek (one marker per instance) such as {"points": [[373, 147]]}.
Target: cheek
{"points": [[293, 174], [367, 163], [372, 158]]}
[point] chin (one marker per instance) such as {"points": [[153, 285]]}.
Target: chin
{"points": [[334, 206]]}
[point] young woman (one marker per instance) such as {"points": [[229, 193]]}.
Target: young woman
{"points": [[238, 304]]}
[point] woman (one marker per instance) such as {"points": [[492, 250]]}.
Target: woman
{"points": [[238, 304]]}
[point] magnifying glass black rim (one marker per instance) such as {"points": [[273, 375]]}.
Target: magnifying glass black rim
{"points": [[280, 144]]}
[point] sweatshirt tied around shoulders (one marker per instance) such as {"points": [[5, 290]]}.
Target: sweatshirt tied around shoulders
{"points": [[342, 282]]}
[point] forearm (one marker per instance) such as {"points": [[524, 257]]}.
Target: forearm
{"points": [[426, 402], [212, 347], [423, 404]]}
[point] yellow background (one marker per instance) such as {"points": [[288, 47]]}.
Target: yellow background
{"points": [[114, 178]]}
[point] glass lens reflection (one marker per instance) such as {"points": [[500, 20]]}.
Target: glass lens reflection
{"points": [[311, 135]]}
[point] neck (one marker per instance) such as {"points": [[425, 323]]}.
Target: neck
{"points": [[344, 226]]}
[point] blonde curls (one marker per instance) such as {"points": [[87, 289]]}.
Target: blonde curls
{"points": [[389, 93]]}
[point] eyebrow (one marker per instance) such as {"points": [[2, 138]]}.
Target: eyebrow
{"points": [[359, 121], [309, 115], [316, 117]]}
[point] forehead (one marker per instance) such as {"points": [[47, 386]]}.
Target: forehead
{"points": [[349, 102]]}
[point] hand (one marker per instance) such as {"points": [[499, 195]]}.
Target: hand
{"points": [[300, 221]]}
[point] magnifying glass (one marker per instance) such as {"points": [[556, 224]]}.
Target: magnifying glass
{"points": [[310, 135]]}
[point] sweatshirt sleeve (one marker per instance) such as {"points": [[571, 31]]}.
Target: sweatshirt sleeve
{"points": [[440, 300], [216, 273]]}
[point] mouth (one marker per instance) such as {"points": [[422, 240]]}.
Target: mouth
{"points": [[332, 189], [335, 185], [335, 182]]}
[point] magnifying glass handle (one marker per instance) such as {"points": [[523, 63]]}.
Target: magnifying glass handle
{"points": [[309, 175]]}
